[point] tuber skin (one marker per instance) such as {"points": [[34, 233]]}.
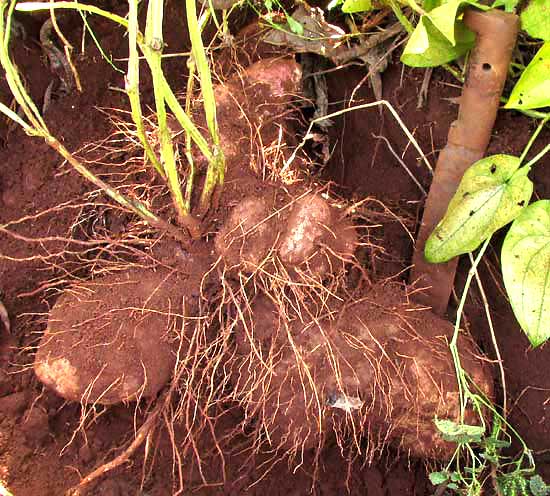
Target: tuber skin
{"points": [[381, 367], [309, 236], [467, 142], [110, 340]]}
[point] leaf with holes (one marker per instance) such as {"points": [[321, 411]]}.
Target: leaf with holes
{"points": [[535, 19], [491, 194], [526, 270], [533, 88]]}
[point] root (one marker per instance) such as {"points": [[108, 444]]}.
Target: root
{"points": [[143, 433]]}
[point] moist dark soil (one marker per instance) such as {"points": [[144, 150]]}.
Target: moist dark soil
{"points": [[39, 455]]}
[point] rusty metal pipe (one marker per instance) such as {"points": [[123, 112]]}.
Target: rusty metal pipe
{"points": [[468, 138]]}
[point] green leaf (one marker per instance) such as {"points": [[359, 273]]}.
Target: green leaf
{"points": [[294, 25], [437, 478], [428, 5], [526, 270], [491, 194], [428, 47], [533, 88], [333, 4], [352, 6], [439, 37], [509, 5], [535, 19], [459, 433], [537, 486], [456, 477]]}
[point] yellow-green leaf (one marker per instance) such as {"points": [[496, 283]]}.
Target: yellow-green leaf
{"points": [[526, 270], [491, 194], [533, 88], [352, 6], [535, 19]]}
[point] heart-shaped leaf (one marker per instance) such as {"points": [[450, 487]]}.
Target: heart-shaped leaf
{"points": [[533, 88], [526, 270], [491, 194]]}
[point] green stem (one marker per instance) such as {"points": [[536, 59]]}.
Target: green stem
{"points": [[132, 85], [188, 143], [216, 167], [38, 6], [402, 18], [533, 138], [537, 157], [464, 391], [171, 99], [153, 48], [37, 127]]}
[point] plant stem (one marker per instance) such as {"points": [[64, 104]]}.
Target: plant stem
{"points": [[153, 49], [171, 99], [132, 85], [188, 143], [133, 205], [453, 345], [537, 157], [216, 167], [533, 138], [37, 127]]}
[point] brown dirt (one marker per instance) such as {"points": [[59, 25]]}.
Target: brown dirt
{"points": [[38, 455]]}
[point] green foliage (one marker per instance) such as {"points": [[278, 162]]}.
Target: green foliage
{"points": [[533, 88], [440, 36], [352, 6], [491, 194], [538, 487], [526, 270], [509, 5], [459, 433], [535, 19], [521, 483]]}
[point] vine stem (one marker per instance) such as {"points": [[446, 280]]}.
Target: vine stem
{"points": [[532, 140], [463, 388]]}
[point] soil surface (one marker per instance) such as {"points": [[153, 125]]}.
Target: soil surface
{"points": [[45, 443]]}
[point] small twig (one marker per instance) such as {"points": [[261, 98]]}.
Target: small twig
{"points": [[423, 93]]}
